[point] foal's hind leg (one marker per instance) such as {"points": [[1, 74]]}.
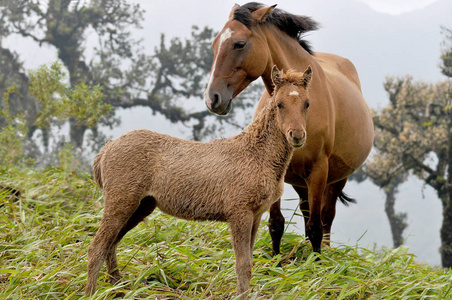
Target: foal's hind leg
{"points": [[116, 214], [147, 206]]}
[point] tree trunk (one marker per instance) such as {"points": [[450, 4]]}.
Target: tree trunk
{"points": [[446, 231], [446, 198], [396, 221], [76, 132]]}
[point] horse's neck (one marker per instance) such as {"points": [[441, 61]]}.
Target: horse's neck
{"points": [[286, 53]]}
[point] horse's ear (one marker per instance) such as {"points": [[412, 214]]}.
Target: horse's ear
{"points": [[231, 14], [306, 80], [276, 76], [261, 14]]}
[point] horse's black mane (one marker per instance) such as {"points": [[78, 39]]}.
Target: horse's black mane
{"points": [[295, 26]]}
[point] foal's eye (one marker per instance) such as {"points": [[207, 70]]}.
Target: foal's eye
{"points": [[279, 105], [239, 45], [307, 104]]}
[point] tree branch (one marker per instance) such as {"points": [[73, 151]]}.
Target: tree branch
{"points": [[173, 114], [432, 179], [25, 33], [382, 126]]}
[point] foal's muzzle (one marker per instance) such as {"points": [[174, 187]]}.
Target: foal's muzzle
{"points": [[297, 137]]}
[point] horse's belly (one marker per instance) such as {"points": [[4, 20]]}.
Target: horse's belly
{"points": [[353, 144]]}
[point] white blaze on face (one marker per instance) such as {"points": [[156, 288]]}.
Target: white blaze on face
{"points": [[294, 93], [223, 37]]}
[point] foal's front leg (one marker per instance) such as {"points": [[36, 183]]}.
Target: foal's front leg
{"points": [[241, 227]]}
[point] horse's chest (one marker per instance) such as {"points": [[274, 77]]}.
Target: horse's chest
{"points": [[297, 172]]}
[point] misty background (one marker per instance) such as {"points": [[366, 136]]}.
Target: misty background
{"points": [[382, 38]]}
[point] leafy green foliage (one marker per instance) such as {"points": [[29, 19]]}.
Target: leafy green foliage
{"points": [[57, 102], [12, 134], [46, 231], [60, 102]]}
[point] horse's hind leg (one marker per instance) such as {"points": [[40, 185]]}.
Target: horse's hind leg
{"points": [[116, 214], [329, 207], [147, 206], [276, 226]]}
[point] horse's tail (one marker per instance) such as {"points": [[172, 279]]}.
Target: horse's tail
{"points": [[97, 172], [346, 200]]}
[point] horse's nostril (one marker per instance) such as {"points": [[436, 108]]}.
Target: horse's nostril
{"points": [[215, 100]]}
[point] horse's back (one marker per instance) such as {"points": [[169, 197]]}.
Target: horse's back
{"points": [[336, 64]]}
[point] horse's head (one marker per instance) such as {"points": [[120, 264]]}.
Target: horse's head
{"points": [[240, 56], [291, 98]]}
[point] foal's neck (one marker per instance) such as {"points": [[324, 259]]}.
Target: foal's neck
{"points": [[264, 135]]}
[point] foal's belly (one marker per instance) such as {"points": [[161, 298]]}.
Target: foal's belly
{"points": [[192, 211]]}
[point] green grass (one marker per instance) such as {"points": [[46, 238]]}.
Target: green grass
{"points": [[45, 234]]}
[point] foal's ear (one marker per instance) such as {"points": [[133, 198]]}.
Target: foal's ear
{"points": [[261, 14], [276, 76], [306, 79], [231, 14]]}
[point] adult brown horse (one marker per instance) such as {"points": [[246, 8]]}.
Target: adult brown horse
{"points": [[339, 123]]}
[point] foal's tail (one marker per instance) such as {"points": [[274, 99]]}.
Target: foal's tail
{"points": [[346, 200], [97, 174]]}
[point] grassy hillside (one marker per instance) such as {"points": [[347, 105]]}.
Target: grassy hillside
{"points": [[46, 231]]}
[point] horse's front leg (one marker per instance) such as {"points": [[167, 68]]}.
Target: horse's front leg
{"points": [[316, 188], [276, 226], [304, 204]]}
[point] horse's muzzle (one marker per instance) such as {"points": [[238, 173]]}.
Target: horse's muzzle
{"points": [[217, 105]]}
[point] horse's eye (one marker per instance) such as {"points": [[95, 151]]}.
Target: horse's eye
{"points": [[239, 45]]}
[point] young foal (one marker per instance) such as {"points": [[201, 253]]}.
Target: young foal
{"points": [[233, 180]]}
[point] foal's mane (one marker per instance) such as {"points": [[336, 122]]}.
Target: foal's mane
{"points": [[289, 77], [295, 26]]}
